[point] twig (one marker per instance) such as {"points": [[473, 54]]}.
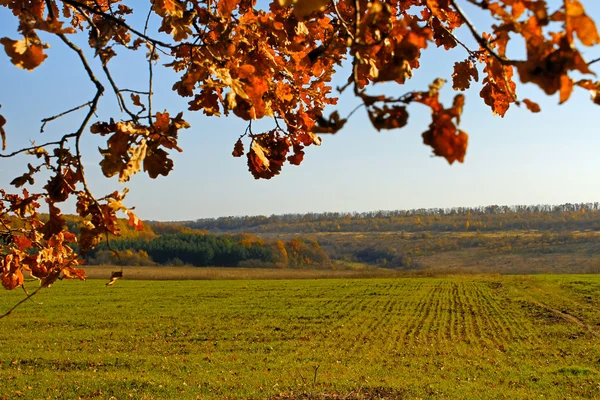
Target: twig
{"points": [[150, 83], [594, 61], [355, 109], [58, 142], [46, 120], [117, 92], [120, 22], [28, 295], [134, 91], [337, 11], [483, 4], [356, 32], [148, 18], [20, 302], [482, 42]]}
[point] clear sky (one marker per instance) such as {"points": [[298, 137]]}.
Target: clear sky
{"points": [[524, 158]]}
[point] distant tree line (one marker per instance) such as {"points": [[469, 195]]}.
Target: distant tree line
{"points": [[576, 216]]}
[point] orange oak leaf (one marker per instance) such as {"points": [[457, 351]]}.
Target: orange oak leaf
{"points": [[464, 72], [157, 162], [55, 224], [532, 106], [446, 140], [579, 22], [136, 100], [238, 149], [12, 276], [388, 117], [2, 132], [24, 54], [134, 221]]}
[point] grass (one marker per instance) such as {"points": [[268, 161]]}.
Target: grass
{"points": [[475, 337], [216, 273]]}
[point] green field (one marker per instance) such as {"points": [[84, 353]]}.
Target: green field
{"points": [[478, 337]]}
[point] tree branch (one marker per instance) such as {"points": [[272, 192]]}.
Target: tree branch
{"points": [[120, 22], [29, 296], [594, 61], [482, 42], [46, 120], [32, 148]]}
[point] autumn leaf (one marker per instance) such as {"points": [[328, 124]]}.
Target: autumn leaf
{"points": [[302, 8], [168, 8], [134, 221], [73, 273], [2, 132], [532, 106], [579, 22], [498, 91], [12, 276], [25, 178], [23, 54], [136, 100], [226, 7], [445, 139], [593, 87], [464, 73], [137, 154], [388, 117], [258, 162], [442, 36], [267, 155], [238, 149], [297, 157], [566, 88], [331, 125], [157, 162], [55, 223]]}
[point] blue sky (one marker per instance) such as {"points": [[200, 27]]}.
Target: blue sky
{"points": [[524, 158]]}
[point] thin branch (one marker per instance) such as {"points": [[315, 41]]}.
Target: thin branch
{"points": [[483, 4], [120, 22], [457, 40], [279, 126], [356, 34], [117, 92], [32, 148], [593, 61], [482, 42], [148, 18], [83, 60], [150, 83], [134, 91], [46, 120], [355, 109], [339, 15], [29, 296]]}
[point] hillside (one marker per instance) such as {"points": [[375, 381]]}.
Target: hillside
{"points": [[517, 239], [565, 217]]}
